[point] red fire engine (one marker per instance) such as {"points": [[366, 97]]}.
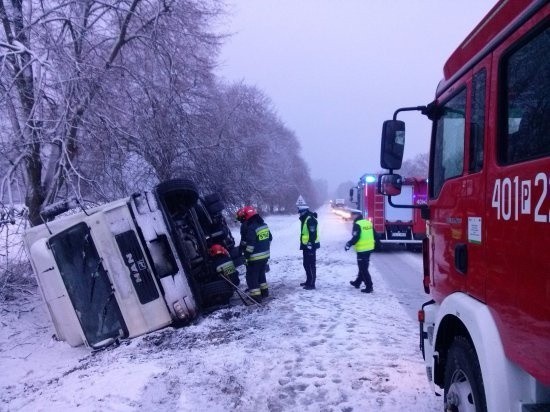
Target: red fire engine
{"points": [[485, 335], [392, 225]]}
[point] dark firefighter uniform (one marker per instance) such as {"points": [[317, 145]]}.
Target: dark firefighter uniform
{"points": [[225, 267], [309, 243], [363, 242], [258, 240]]}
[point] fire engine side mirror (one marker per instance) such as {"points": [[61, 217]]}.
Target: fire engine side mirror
{"points": [[393, 144], [390, 185]]}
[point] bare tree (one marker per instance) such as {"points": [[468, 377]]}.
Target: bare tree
{"points": [[63, 61], [416, 167]]}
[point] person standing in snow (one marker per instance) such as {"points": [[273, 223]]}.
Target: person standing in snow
{"points": [[363, 241], [257, 241], [309, 243]]}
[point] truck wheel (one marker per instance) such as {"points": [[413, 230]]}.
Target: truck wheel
{"points": [[215, 293], [413, 248], [177, 192], [215, 208], [211, 198], [464, 391]]}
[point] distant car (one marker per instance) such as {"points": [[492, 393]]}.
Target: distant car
{"points": [[340, 203]]}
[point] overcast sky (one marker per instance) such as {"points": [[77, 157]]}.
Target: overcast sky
{"points": [[336, 69]]}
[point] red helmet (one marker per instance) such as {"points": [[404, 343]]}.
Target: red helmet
{"points": [[245, 213], [218, 250]]}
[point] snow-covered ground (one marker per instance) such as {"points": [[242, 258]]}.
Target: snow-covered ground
{"points": [[331, 349]]}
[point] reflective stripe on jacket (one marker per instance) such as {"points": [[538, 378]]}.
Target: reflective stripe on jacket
{"points": [[366, 238], [226, 268]]}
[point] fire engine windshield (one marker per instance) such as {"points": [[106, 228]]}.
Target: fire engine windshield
{"points": [[87, 284]]}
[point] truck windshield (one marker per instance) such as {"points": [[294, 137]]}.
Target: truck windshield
{"points": [[87, 284]]}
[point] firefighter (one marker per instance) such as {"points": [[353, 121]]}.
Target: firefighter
{"points": [[257, 240], [363, 242], [224, 264], [309, 243], [240, 217]]}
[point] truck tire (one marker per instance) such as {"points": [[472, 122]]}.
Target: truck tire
{"points": [[211, 198], [464, 389], [215, 208], [215, 293], [182, 191], [413, 248]]}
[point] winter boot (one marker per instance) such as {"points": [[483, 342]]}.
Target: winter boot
{"points": [[256, 298], [355, 283], [255, 294], [367, 290], [303, 284], [265, 293], [309, 287]]}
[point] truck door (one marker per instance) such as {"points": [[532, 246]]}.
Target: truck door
{"points": [[446, 184]]}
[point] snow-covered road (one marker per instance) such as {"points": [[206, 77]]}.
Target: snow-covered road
{"points": [[331, 349]]}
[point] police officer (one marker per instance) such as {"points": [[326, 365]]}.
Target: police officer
{"points": [[309, 243], [257, 241], [363, 241]]}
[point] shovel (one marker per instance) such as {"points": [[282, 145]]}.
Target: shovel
{"points": [[241, 294]]}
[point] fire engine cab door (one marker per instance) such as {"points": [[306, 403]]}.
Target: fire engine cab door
{"points": [[448, 220], [457, 187]]}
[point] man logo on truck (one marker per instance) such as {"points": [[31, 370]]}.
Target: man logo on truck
{"points": [[135, 267]]}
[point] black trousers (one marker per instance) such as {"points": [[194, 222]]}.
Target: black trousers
{"points": [[363, 260], [310, 262], [255, 275]]}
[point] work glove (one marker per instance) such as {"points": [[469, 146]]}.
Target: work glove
{"points": [[309, 246], [348, 245]]}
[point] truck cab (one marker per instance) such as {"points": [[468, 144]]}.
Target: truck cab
{"points": [[131, 266]]}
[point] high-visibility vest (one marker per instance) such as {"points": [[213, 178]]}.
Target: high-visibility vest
{"points": [[305, 233], [366, 238]]}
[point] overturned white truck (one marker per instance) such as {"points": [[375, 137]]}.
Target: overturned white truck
{"points": [[131, 266]]}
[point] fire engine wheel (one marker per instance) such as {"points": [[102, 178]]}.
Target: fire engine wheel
{"points": [[463, 382]]}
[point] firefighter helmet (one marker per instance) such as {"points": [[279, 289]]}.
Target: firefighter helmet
{"points": [[218, 250], [245, 213]]}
